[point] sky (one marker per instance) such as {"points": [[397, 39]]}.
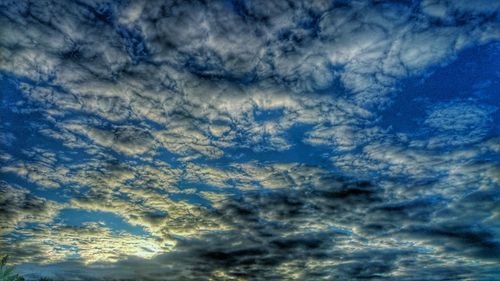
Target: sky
{"points": [[250, 140]]}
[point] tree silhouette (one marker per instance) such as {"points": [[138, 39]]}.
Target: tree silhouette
{"points": [[7, 272]]}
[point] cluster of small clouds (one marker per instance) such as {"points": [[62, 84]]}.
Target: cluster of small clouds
{"points": [[19, 206], [331, 227], [313, 225], [200, 71], [459, 123], [117, 85]]}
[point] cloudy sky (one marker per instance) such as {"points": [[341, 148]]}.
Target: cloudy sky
{"points": [[250, 140]]}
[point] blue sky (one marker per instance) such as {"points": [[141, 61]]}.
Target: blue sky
{"points": [[250, 140]]}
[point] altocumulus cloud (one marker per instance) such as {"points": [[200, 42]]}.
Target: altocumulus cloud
{"points": [[250, 140]]}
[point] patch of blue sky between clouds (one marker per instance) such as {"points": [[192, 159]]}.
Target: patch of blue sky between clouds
{"points": [[75, 217]]}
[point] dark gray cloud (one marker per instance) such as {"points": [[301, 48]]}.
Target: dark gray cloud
{"points": [[339, 229], [18, 205]]}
